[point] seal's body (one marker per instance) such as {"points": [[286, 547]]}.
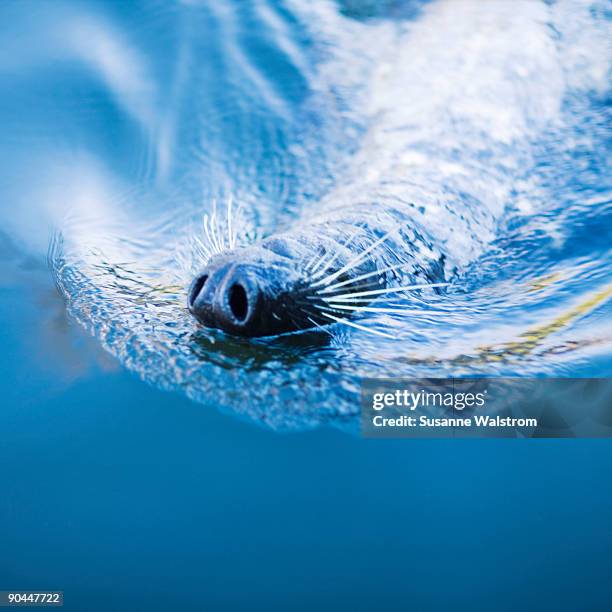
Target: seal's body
{"points": [[441, 162]]}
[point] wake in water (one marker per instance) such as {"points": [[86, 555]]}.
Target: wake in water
{"points": [[483, 125]]}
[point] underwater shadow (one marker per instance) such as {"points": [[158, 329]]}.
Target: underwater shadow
{"points": [[285, 350]]}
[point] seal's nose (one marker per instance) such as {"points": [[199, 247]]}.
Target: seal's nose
{"points": [[196, 287], [238, 301], [225, 299]]}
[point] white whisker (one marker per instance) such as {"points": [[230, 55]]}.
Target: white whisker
{"points": [[353, 262], [229, 222], [211, 224], [311, 261], [202, 247], [351, 296], [318, 256], [357, 326], [213, 236], [402, 311], [335, 256], [364, 276], [321, 259], [205, 221], [215, 227], [364, 300], [318, 325]]}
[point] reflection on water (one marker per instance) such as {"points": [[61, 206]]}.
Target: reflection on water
{"points": [[123, 124]]}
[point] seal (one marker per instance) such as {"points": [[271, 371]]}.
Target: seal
{"points": [[317, 274], [441, 162]]}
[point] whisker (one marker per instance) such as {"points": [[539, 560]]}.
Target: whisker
{"points": [[402, 311], [218, 233], [365, 300], [353, 262], [335, 256], [350, 296], [319, 326], [361, 286], [364, 276], [202, 247], [357, 326], [318, 255], [229, 222], [215, 227], [324, 254], [211, 224], [207, 231]]}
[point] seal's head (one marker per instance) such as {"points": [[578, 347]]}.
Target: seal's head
{"points": [[262, 290], [248, 292]]}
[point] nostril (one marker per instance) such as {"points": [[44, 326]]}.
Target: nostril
{"points": [[197, 286], [238, 301]]}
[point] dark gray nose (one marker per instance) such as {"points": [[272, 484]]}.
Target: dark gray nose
{"points": [[194, 291], [226, 298]]}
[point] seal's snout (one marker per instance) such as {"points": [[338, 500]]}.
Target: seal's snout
{"points": [[225, 298], [194, 291], [254, 291], [238, 301]]}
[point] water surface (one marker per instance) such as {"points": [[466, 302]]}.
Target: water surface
{"points": [[122, 123], [154, 117]]}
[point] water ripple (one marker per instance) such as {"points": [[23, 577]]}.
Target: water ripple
{"points": [[151, 117]]}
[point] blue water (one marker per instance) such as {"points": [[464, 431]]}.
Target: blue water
{"points": [[131, 499], [121, 124]]}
